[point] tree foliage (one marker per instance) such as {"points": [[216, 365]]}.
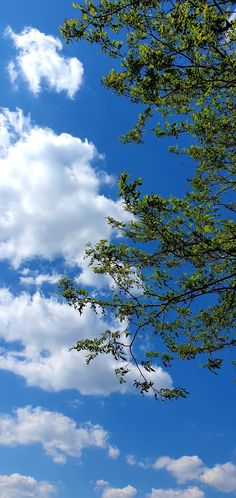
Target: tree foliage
{"points": [[174, 273]]}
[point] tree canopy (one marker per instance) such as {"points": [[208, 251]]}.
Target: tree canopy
{"points": [[174, 273]]}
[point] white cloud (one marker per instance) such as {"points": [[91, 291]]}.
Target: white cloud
{"points": [[50, 206], [101, 482], [50, 194], [222, 477], [232, 17], [131, 460], [188, 468], [183, 469], [113, 452], [39, 279], [39, 61], [57, 433], [126, 492], [110, 492], [19, 486], [38, 333], [192, 492], [13, 125]]}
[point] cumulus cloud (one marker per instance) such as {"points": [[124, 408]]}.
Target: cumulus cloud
{"points": [[187, 468], [18, 486], [38, 333], [51, 203], [222, 477], [183, 469], [57, 433], [109, 492], [39, 61], [192, 492], [51, 206]]}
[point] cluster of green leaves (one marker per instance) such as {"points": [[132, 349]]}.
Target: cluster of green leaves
{"points": [[172, 53], [175, 274], [174, 285]]}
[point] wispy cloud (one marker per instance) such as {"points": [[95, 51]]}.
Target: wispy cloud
{"points": [[143, 464], [39, 279]]}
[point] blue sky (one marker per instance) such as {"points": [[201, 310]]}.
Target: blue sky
{"points": [[67, 430]]}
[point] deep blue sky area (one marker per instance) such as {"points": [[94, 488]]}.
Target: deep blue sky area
{"points": [[67, 430]]}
